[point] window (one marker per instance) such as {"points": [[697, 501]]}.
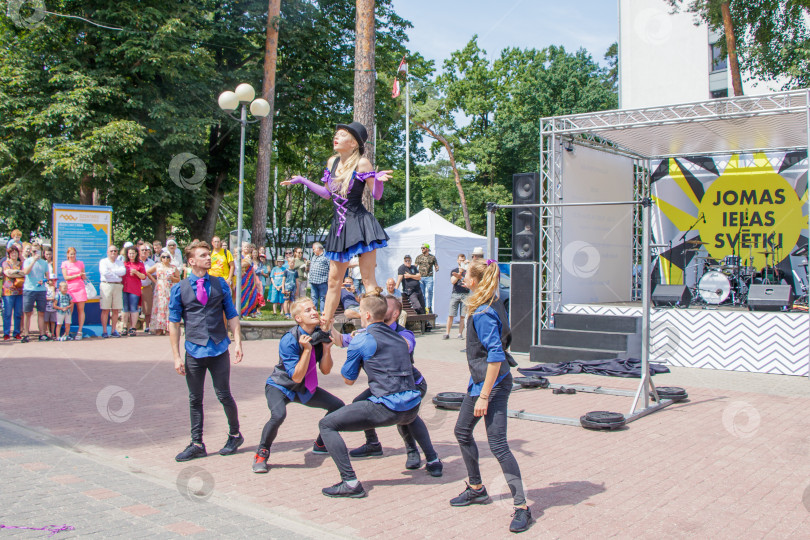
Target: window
{"points": [[719, 93], [719, 61]]}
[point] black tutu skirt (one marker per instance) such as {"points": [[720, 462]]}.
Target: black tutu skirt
{"points": [[360, 233]]}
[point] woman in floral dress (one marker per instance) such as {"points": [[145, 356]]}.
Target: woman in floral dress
{"points": [[166, 275]]}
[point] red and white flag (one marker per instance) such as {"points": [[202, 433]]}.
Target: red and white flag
{"points": [[403, 68]]}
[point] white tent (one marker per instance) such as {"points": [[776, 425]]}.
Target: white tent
{"points": [[446, 242]]}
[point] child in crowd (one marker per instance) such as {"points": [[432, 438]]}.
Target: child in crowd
{"points": [[50, 301], [290, 277], [277, 285], [64, 311]]}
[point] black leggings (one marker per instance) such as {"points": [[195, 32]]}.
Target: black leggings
{"points": [[411, 433], [357, 416], [220, 368], [277, 403], [495, 421]]}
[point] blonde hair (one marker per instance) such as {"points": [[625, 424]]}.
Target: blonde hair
{"points": [[344, 172], [488, 277], [376, 305], [298, 306]]}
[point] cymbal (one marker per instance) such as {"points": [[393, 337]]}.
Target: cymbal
{"points": [[766, 252], [693, 249], [697, 243]]}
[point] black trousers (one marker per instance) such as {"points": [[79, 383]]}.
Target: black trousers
{"points": [[495, 421], [220, 368], [417, 299], [277, 403], [357, 416], [411, 433]]}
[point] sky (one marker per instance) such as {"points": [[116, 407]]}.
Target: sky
{"points": [[443, 26]]}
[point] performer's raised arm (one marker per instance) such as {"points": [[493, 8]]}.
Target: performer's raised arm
{"points": [[319, 190]]}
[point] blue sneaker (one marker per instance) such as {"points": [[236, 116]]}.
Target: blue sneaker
{"points": [[104, 335], [115, 333]]}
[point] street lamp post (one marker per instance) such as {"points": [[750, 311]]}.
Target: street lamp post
{"points": [[228, 101]]}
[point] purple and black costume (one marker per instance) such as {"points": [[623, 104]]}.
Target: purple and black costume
{"points": [[354, 229]]}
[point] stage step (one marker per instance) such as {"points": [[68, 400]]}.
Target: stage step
{"points": [[596, 323], [583, 339], [588, 337], [550, 354]]}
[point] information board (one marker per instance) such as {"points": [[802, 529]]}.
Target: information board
{"points": [[86, 228]]}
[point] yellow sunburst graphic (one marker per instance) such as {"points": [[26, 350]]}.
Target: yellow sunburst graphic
{"points": [[750, 210]]}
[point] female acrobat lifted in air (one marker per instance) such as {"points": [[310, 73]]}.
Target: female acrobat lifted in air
{"points": [[354, 230]]}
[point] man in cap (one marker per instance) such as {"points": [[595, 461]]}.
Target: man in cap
{"points": [[426, 262]]}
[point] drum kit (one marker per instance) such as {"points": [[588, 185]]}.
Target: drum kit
{"points": [[727, 280]]}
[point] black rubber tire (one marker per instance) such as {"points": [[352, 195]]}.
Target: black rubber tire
{"points": [[587, 424], [531, 382], [449, 405], [604, 417], [450, 397], [674, 393]]}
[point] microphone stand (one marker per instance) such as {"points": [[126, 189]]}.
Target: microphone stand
{"points": [[683, 252]]}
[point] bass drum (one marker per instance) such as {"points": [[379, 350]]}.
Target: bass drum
{"points": [[714, 287]]}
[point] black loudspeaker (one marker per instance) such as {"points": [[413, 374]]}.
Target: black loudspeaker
{"points": [[769, 297], [525, 221], [523, 305], [671, 295]]}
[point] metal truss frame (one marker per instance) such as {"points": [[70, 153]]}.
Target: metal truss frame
{"points": [[593, 130]]}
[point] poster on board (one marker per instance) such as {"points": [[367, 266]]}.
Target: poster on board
{"points": [[89, 230]]}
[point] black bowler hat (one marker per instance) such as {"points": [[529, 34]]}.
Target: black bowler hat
{"points": [[359, 133]]}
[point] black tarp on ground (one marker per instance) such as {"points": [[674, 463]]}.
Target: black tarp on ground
{"points": [[615, 367]]}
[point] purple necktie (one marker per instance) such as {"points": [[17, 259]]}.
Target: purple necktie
{"points": [[311, 378], [202, 296]]}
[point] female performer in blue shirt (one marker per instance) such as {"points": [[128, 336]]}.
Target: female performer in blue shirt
{"points": [[488, 338]]}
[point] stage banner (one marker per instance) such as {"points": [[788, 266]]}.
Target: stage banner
{"points": [[746, 209], [86, 228]]}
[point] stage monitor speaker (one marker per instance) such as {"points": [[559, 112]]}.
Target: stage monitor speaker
{"points": [[671, 295], [525, 221], [769, 297], [523, 295]]}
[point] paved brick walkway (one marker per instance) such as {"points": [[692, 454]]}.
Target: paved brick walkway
{"points": [[731, 462]]}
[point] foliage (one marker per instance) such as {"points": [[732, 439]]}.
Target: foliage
{"points": [[772, 35]]}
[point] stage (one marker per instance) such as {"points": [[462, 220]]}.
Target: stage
{"points": [[720, 337]]}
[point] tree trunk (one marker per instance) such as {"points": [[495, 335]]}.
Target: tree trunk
{"points": [[85, 190], [731, 48], [456, 177], [266, 128], [364, 81], [160, 229]]}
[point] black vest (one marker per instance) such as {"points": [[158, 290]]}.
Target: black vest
{"points": [[477, 353], [203, 322], [389, 370], [416, 374], [279, 375]]}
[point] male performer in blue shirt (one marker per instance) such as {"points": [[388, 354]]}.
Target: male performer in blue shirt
{"points": [[416, 431], [302, 351], [394, 398], [200, 301]]}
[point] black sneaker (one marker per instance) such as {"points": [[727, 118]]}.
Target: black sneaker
{"points": [[232, 444], [319, 448], [414, 460], [471, 496], [343, 490], [260, 464], [367, 450], [24, 339], [521, 520], [434, 468], [44, 338], [192, 451]]}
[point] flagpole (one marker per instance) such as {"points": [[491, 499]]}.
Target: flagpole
{"points": [[407, 146]]}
